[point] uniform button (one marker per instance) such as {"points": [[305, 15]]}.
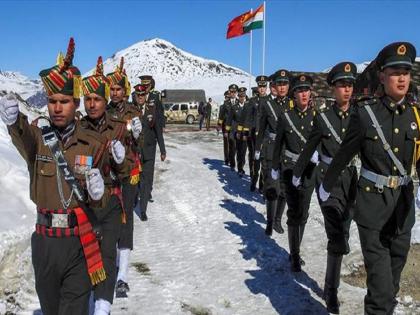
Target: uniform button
{"points": [[302, 127], [397, 112], [396, 150], [396, 130], [367, 188], [340, 113], [322, 170], [343, 130], [285, 161], [394, 168], [375, 137]]}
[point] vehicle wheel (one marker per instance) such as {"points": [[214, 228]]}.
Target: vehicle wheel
{"points": [[190, 119]]}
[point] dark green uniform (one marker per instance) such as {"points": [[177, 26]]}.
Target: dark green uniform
{"points": [[223, 110], [231, 133], [268, 115]]}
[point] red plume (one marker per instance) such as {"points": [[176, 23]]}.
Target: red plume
{"points": [[122, 64], [68, 60], [99, 67]]}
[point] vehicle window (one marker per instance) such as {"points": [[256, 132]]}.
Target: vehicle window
{"points": [[167, 106], [194, 107], [184, 107], [175, 107]]}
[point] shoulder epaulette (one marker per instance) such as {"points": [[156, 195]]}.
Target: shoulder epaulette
{"points": [[366, 100]]}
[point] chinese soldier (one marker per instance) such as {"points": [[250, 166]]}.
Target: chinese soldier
{"points": [[151, 136], [268, 115], [293, 129], [383, 130], [235, 124], [221, 122], [96, 94], [329, 127], [233, 100], [64, 161], [119, 109]]}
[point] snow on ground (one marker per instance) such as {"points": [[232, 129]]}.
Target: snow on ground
{"points": [[203, 250]]}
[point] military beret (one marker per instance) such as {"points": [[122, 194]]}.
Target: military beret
{"points": [[281, 75], [301, 81], [233, 87], [399, 54], [262, 80], [342, 71]]}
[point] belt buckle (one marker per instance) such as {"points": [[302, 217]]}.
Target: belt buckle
{"points": [[59, 220], [393, 182]]}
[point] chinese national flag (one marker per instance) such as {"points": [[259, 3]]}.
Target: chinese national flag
{"points": [[236, 26]]}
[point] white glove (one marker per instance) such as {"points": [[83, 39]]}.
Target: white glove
{"points": [[257, 155], [315, 158], [95, 184], [418, 198], [274, 174], [323, 195], [296, 181], [118, 151], [9, 109], [136, 127]]}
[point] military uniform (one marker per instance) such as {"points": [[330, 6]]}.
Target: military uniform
{"points": [[63, 236], [270, 109], [384, 210], [293, 129], [234, 123], [151, 135], [329, 127], [250, 114], [233, 88], [223, 110]]}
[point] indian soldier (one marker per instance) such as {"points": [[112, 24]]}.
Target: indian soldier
{"points": [[65, 164], [293, 129], [221, 122], [329, 127], [119, 109], [96, 95], [268, 115], [250, 114], [152, 135], [234, 123], [233, 100], [383, 130]]}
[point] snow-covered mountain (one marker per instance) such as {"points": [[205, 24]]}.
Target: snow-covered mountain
{"points": [[16, 82], [174, 68]]}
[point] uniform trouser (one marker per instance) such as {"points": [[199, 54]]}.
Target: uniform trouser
{"points": [[146, 182], [298, 199], [241, 153], [207, 122], [338, 209], [225, 144], [250, 144], [232, 151], [61, 278], [111, 226], [271, 185], [385, 255], [129, 194]]}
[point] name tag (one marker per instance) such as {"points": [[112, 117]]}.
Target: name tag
{"points": [[44, 158]]}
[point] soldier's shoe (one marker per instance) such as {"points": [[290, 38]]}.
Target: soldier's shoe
{"points": [[226, 162], [301, 261], [269, 229], [121, 289], [295, 265], [241, 173], [331, 299], [277, 227], [143, 216]]}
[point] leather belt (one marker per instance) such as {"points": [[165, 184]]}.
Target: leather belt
{"points": [[291, 155], [382, 181], [56, 220]]}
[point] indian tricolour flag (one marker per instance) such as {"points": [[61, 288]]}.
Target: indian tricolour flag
{"points": [[256, 21]]}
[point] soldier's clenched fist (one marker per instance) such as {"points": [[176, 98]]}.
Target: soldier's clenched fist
{"points": [[95, 184], [136, 127], [9, 109], [118, 151]]}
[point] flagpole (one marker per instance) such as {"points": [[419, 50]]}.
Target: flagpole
{"points": [[250, 63], [263, 52]]}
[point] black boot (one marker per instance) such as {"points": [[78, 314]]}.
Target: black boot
{"points": [[301, 231], [121, 289], [271, 207], [253, 186], [143, 216], [332, 282], [281, 204], [293, 234]]}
